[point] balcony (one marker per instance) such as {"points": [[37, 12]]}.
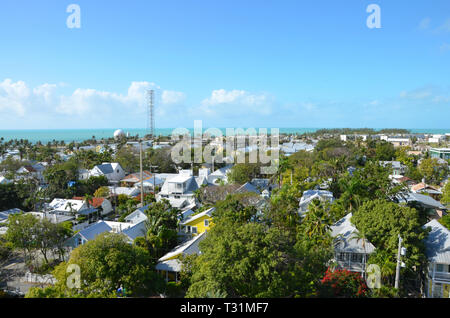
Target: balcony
{"points": [[441, 276]]}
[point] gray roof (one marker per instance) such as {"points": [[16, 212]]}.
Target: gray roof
{"points": [[87, 211], [248, 187], [5, 214], [135, 231], [106, 168], [344, 233], [425, 200], [92, 231], [186, 248], [438, 243], [172, 265]]}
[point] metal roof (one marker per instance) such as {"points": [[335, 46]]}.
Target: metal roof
{"points": [[188, 247], [345, 233], [92, 231], [438, 243], [172, 265], [207, 212]]}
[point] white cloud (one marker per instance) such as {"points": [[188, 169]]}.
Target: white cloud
{"points": [[49, 101], [235, 102], [13, 97], [172, 97], [420, 93]]}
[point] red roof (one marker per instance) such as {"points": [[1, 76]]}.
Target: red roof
{"points": [[95, 202]]}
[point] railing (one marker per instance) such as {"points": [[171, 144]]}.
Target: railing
{"points": [[442, 276], [352, 266]]}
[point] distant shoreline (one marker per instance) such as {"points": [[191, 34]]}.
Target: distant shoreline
{"points": [[80, 135]]}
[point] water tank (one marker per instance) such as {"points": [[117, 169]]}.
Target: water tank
{"points": [[118, 133]]}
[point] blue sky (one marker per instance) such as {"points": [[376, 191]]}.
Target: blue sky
{"points": [[229, 63]]}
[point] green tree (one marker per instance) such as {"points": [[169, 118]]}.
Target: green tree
{"points": [[106, 263], [243, 172], [433, 171], [383, 221]]}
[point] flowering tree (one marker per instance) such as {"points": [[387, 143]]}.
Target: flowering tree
{"points": [[342, 283]]}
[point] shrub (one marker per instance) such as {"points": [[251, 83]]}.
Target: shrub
{"points": [[342, 284]]}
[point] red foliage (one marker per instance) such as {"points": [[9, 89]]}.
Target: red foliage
{"points": [[343, 283]]}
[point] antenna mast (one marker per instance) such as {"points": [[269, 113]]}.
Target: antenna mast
{"points": [[150, 113]]}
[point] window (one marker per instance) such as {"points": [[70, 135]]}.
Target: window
{"points": [[188, 229], [194, 230], [439, 267], [206, 223]]}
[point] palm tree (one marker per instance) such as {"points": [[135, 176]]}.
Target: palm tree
{"points": [[88, 199], [361, 236], [316, 221]]}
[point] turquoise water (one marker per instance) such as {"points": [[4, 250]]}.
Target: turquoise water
{"points": [[78, 135]]}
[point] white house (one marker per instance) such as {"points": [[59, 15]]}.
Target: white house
{"points": [[219, 174], [35, 171], [437, 245], [179, 190], [351, 251], [102, 204], [310, 195], [113, 171], [398, 169], [132, 192], [170, 265]]}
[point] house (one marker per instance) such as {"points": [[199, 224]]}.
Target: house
{"points": [[310, 195], [70, 207], [397, 141], [179, 190], [102, 204], [131, 192], [435, 209], [403, 180], [219, 175], [248, 187], [112, 171], [424, 188], [398, 169], [152, 182], [129, 230], [52, 217], [5, 214], [170, 266], [66, 206], [35, 171], [197, 223], [440, 153], [351, 251], [137, 216], [437, 249], [134, 179]]}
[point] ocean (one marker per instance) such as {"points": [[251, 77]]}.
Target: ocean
{"points": [[79, 135]]}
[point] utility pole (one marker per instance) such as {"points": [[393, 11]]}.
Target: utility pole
{"points": [[141, 176], [397, 272]]}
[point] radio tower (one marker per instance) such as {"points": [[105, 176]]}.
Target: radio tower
{"points": [[150, 114]]}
